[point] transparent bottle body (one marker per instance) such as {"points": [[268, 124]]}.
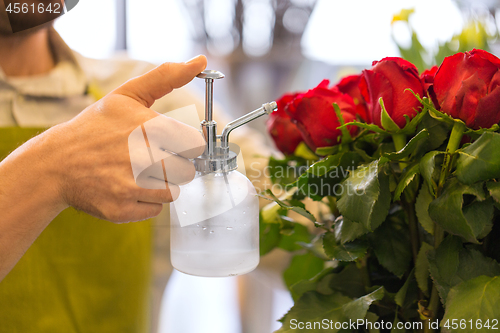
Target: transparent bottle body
{"points": [[226, 244]]}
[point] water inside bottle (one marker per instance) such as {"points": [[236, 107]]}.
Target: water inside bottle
{"points": [[224, 245]]}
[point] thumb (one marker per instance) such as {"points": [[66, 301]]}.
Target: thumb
{"points": [[162, 80]]}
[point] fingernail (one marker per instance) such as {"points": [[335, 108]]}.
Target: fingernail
{"points": [[193, 59]]}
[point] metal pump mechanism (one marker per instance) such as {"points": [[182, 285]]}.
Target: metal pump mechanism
{"points": [[217, 156]]}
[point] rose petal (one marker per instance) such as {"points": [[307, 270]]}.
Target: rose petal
{"points": [[350, 85], [468, 96], [377, 86], [488, 110], [315, 117]]}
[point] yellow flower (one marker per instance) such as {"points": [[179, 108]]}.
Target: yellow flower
{"points": [[403, 15]]}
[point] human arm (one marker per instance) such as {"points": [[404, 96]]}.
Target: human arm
{"points": [[85, 163]]}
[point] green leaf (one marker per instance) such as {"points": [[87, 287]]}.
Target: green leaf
{"points": [[358, 308], [400, 297], [479, 214], [477, 133], [441, 116], [428, 170], [481, 160], [326, 309], [274, 213], [346, 252], [346, 135], [303, 151], [411, 125], [409, 175], [422, 268], [370, 127], [427, 103], [443, 264], [315, 247], [424, 199], [494, 190], [297, 209], [347, 231], [409, 148], [325, 165], [391, 244], [299, 234], [331, 150], [287, 170], [349, 281], [476, 299], [383, 148], [438, 133], [323, 177], [447, 210], [386, 120], [366, 197], [287, 225], [362, 148], [452, 264], [302, 267], [301, 287], [269, 235], [270, 213], [315, 307]]}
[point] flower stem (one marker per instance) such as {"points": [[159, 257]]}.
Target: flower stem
{"points": [[399, 143], [455, 138]]}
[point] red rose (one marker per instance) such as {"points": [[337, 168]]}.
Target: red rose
{"points": [[350, 85], [428, 77], [315, 117], [285, 134], [466, 87], [389, 78]]}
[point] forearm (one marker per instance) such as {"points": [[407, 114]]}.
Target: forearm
{"points": [[29, 198]]}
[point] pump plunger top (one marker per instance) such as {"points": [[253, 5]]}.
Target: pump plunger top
{"points": [[210, 74]]}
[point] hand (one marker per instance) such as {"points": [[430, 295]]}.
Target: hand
{"points": [[91, 163], [85, 162]]}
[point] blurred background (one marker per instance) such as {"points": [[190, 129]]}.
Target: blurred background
{"points": [[267, 48]]}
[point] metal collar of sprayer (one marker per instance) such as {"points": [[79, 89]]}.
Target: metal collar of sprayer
{"points": [[220, 160], [217, 156]]}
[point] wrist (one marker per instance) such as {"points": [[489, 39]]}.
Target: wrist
{"points": [[51, 162], [33, 174]]}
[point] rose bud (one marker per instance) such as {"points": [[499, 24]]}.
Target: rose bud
{"points": [[285, 134], [428, 77], [315, 116], [389, 78], [466, 87], [350, 85]]}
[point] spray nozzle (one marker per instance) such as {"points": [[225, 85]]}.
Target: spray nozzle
{"points": [[217, 156]]}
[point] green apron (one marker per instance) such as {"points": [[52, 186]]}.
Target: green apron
{"points": [[81, 274]]}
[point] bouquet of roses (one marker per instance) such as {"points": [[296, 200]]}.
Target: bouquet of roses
{"points": [[405, 167]]}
